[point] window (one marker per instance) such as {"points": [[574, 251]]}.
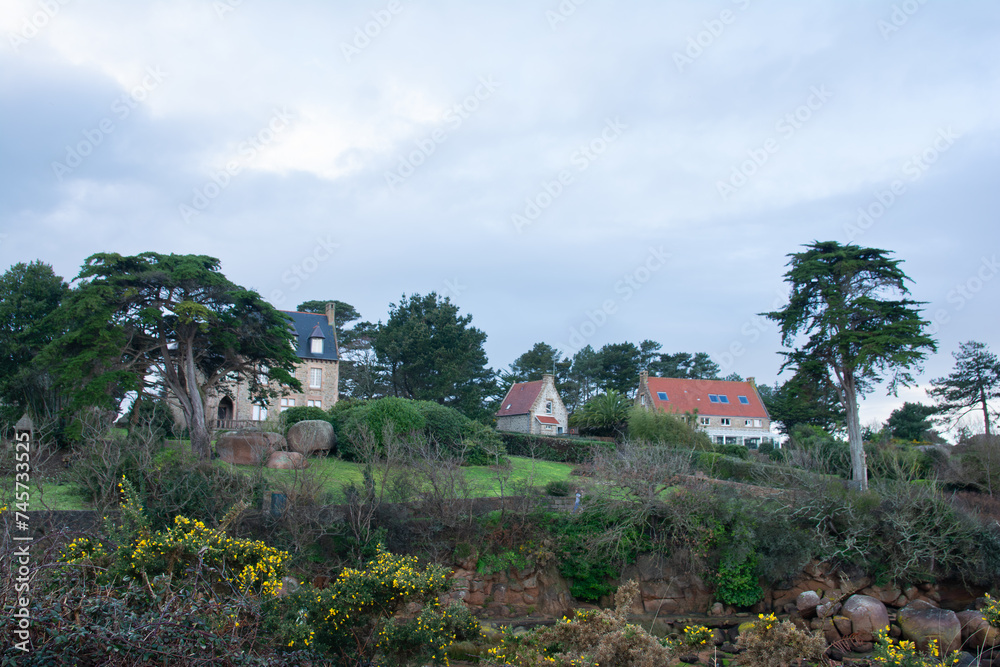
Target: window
{"points": [[744, 400], [642, 399], [725, 421], [287, 403], [757, 423], [748, 422], [548, 407], [732, 440], [259, 413], [723, 398], [719, 440], [662, 395], [714, 398], [314, 404], [316, 345], [315, 378], [705, 421], [559, 430]]}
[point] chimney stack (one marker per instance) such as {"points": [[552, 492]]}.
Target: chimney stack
{"points": [[330, 312]]}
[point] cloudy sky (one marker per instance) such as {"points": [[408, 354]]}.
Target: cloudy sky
{"points": [[581, 172]]}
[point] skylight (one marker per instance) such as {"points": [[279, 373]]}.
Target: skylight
{"points": [[662, 395], [723, 398], [714, 398], [744, 400]]}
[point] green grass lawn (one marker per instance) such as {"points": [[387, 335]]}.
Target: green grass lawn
{"points": [[47, 495], [331, 474]]}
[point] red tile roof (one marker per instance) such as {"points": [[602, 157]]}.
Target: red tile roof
{"points": [[685, 395], [546, 419], [520, 398]]}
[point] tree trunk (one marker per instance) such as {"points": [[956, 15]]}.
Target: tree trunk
{"points": [[859, 468], [201, 439], [986, 413]]}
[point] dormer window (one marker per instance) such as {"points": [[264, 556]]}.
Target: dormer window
{"points": [[316, 340]]}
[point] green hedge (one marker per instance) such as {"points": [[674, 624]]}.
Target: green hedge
{"points": [[560, 450]]}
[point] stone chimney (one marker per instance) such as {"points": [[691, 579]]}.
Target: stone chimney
{"points": [[330, 312], [752, 381]]}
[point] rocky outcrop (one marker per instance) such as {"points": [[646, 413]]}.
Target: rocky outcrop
{"points": [[867, 616], [512, 593], [921, 622], [977, 634], [287, 461], [245, 447], [310, 435]]}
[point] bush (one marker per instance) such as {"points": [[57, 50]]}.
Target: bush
{"points": [[735, 451], [300, 413], [737, 582], [558, 488], [768, 643], [349, 620], [152, 413], [598, 637], [559, 450], [659, 427], [890, 653], [397, 415]]}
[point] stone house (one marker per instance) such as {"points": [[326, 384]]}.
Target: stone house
{"points": [[318, 371], [533, 407], [731, 413]]}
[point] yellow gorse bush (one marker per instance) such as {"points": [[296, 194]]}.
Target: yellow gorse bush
{"points": [[991, 611], [185, 550], [891, 653]]}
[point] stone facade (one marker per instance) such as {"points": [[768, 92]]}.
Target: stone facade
{"points": [[318, 372], [534, 407]]}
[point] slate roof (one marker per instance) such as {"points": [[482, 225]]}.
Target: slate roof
{"points": [[520, 398], [685, 395], [305, 324]]}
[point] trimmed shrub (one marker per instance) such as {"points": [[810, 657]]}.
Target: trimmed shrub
{"points": [[559, 450], [657, 426], [558, 488], [736, 451]]}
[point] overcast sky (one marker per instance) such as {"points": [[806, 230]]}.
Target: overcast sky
{"points": [[577, 173]]}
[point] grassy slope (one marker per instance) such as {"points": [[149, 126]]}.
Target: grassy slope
{"points": [[332, 474]]}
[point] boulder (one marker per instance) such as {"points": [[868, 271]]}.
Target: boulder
{"points": [[977, 634], [244, 447], [287, 461], [310, 435], [921, 622], [807, 602], [867, 615], [277, 441]]}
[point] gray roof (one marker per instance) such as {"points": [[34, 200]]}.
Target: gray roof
{"points": [[305, 324]]}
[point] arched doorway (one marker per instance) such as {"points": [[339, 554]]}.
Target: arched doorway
{"points": [[226, 410]]}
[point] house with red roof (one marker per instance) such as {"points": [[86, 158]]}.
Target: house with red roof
{"points": [[731, 413], [533, 407]]}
